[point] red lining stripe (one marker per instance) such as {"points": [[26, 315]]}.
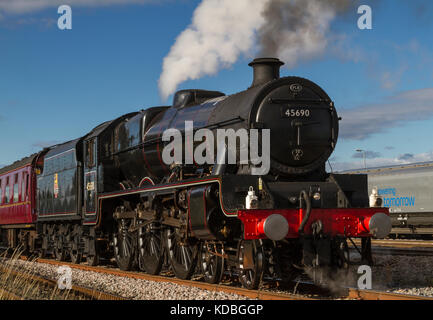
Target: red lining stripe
{"points": [[211, 180]]}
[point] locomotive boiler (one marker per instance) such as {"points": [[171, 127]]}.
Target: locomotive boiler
{"points": [[302, 120], [111, 192]]}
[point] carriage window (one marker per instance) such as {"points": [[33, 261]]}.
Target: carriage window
{"points": [[23, 187], [16, 193], [27, 184], [90, 154], [7, 191]]}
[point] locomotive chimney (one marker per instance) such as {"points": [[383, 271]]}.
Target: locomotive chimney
{"points": [[265, 70]]}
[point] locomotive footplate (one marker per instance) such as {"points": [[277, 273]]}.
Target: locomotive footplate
{"points": [[345, 222]]}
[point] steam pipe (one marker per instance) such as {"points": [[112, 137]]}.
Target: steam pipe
{"points": [[304, 197]]}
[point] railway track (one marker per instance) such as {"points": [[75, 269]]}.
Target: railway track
{"points": [[400, 247], [403, 243], [253, 294], [311, 291], [357, 294], [264, 294]]}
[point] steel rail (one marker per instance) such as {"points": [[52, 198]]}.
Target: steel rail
{"points": [[400, 247], [399, 243], [380, 295]]}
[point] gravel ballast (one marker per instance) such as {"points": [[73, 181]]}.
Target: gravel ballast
{"points": [[399, 274], [404, 274], [129, 288]]}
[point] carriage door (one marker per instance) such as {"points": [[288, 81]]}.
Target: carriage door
{"points": [[90, 181]]}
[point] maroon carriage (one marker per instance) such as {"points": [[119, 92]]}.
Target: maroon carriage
{"points": [[17, 196]]}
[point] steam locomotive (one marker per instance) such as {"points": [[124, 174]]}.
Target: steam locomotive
{"points": [[110, 194]]}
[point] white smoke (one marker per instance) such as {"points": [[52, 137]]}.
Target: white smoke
{"points": [[297, 29], [223, 30]]}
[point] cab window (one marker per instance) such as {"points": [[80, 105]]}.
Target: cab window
{"points": [[90, 153]]}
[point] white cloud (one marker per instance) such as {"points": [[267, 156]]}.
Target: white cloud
{"points": [[381, 162], [389, 79], [367, 155], [28, 6], [361, 122]]}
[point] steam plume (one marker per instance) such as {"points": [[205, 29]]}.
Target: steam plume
{"points": [[297, 29], [223, 30], [220, 31]]}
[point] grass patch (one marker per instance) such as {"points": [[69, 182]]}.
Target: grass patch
{"points": [[19, 280]]}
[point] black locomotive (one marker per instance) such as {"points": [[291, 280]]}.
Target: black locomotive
{"points": [[110, 194]]}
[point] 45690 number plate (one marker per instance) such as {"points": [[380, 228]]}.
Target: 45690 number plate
{"points": [[290, 112]]}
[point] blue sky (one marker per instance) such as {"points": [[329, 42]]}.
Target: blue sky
{"points": [[56, 85]]}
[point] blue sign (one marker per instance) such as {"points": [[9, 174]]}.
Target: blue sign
{"points": [[395, 200]]}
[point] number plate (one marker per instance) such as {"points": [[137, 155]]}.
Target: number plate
{"points": [[290, 112]]}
